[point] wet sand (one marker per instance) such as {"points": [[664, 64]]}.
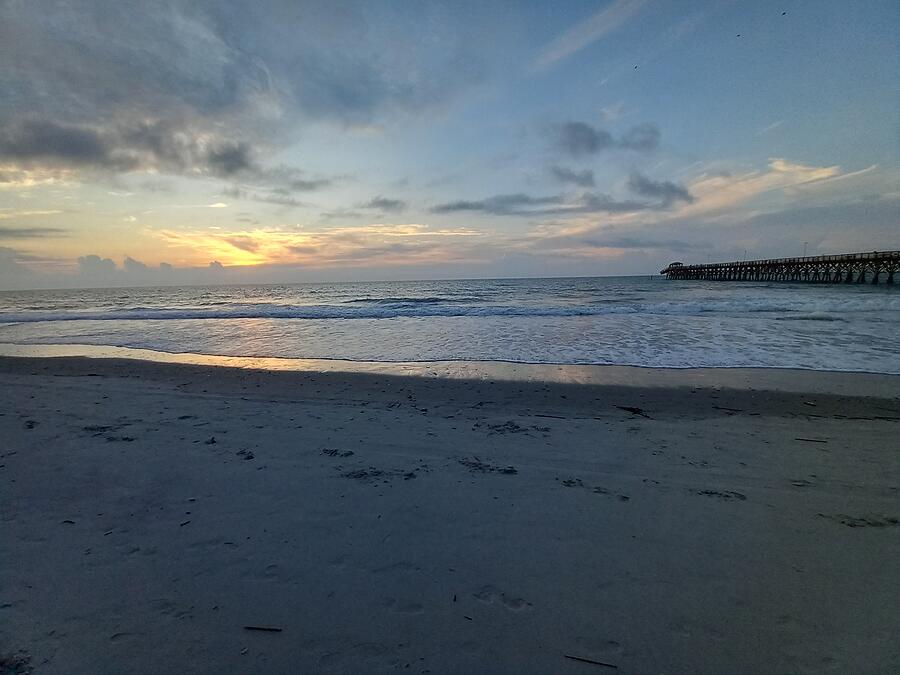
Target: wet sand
{"points": [[155, 516]]}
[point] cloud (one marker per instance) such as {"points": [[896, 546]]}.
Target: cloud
{"points": [[228, 160], [36, 139], [208, 66], [659, 195], [132, 266], [719, 192], [770, 127], [146, 146], [520, 204], [94, 266], [279, 196], [31, 232], [7, 213], [13, 177], [565, 175], [244, 243], [211, 91], [665, 191], [498, 205], [595, 27], [579, 139], [400, 244], [384, 204]]}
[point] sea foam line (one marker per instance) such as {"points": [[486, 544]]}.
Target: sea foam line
{"points": [[818, 310]]}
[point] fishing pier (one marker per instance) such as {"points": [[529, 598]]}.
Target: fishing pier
{"points": [[875, 267]]}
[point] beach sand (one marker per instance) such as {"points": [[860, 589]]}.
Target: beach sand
{"points": [[153, 514]]}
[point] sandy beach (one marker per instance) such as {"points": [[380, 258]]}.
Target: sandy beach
{"points": [[188, 518]]}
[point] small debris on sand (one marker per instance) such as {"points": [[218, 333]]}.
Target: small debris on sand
{"points": [[862, 521], [475, 465], [334, 452], [634, 411], [264, 629], [591, 661]]}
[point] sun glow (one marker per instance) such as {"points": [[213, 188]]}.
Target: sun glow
{"points": [[399, 243]]}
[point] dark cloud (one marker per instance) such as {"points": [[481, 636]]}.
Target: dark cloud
{"points": [[43, 140], [498, 205], [580, 139], [279, 196], [565, 175], [216, 266], [665, 191], [31, 232], [644, 137], [212, 64], [599, 203], [145, 146], [384, 204], [230, 159], [210, 89]]}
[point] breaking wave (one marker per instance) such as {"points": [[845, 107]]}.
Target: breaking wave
{"points": [[387, 308]]}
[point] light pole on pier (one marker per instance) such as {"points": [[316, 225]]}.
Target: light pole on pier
{"points": [[805, 244]]}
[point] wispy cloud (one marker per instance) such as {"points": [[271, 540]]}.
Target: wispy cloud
{"points": [[409, 243], [31, 232], [595, 27], [383, 204], [666, 191], [15, 177], [564, 174], [6, 214], [770, 127]]}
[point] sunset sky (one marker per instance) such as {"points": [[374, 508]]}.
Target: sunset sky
{"points": [[219, 142]]}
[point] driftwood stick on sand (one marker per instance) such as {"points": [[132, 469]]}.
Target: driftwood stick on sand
{"points": [[586, 660]]}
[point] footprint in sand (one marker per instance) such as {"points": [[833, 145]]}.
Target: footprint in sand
{"points": [[490, 594], [119, 637], [402, 607]]}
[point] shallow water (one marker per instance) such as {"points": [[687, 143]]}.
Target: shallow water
{"points": [[624, 321]]}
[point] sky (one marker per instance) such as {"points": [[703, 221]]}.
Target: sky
{"points": [[158, 142]]}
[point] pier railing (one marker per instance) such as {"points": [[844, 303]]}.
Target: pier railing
{"points": [[843, 268]]}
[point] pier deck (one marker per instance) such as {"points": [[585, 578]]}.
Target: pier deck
{"points": [[828, 269]]}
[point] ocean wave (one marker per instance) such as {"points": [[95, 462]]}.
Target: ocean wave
{"points": [[414, 301], [387, 308]]}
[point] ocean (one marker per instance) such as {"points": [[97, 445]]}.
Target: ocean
{"points": [[638, 321]]}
